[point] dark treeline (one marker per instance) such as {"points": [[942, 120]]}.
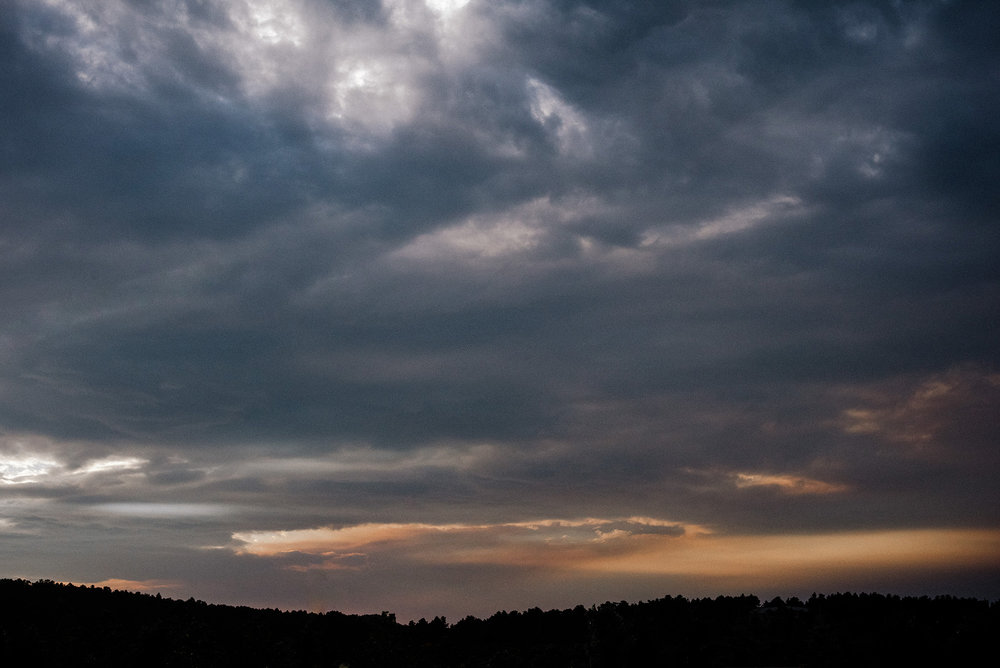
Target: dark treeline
{"points": [[46, 624]]}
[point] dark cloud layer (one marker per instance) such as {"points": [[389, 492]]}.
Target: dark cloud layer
{"points": [[286, 265]]}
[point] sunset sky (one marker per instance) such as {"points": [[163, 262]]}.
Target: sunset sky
{"points": [[442, 307]]}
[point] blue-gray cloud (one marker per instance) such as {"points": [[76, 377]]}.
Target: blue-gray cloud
{"points": [[728, 263]]}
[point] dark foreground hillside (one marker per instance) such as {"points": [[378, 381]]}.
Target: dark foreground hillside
{"points": [[49, 624]]}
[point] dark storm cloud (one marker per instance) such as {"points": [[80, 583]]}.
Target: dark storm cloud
{"points": [[728, 264], [172, 159]]}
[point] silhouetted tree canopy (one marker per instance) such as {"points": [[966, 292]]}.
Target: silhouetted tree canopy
{"points": [[51, 624]]}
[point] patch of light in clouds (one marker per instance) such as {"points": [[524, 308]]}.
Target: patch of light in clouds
{"points": [[94, 46], [569, 125], [371, 461], [165, 510], [370, 82], [26, 468], [20, 470], [111, 464], [502, 235], [741, 219], [916, 415], [789, 484], [446, 7], [274, 21]]}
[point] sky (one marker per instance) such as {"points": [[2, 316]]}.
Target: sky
{"points": [[443, 307]]}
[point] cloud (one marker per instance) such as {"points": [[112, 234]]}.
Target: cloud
{"points": [[164, 510], [788, 484], [630, 547], [529, 544], [25, 470], [145, 586], [301, 263], [744, 218], [27, 461], [924, 415]]}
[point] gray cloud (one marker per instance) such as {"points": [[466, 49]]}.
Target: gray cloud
{"points": [[321, 264]]}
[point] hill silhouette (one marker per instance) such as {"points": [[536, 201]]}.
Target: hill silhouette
{"points": [[44, 623]]}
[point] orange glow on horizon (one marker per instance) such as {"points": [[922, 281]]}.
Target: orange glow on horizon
{"points": [[131, 585], [634, 546], [776, 555]]}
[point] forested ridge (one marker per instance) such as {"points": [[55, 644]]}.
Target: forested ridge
{"points": [[44, 623]]}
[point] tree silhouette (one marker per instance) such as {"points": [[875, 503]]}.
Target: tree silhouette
{"points": [[48, 624]]}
